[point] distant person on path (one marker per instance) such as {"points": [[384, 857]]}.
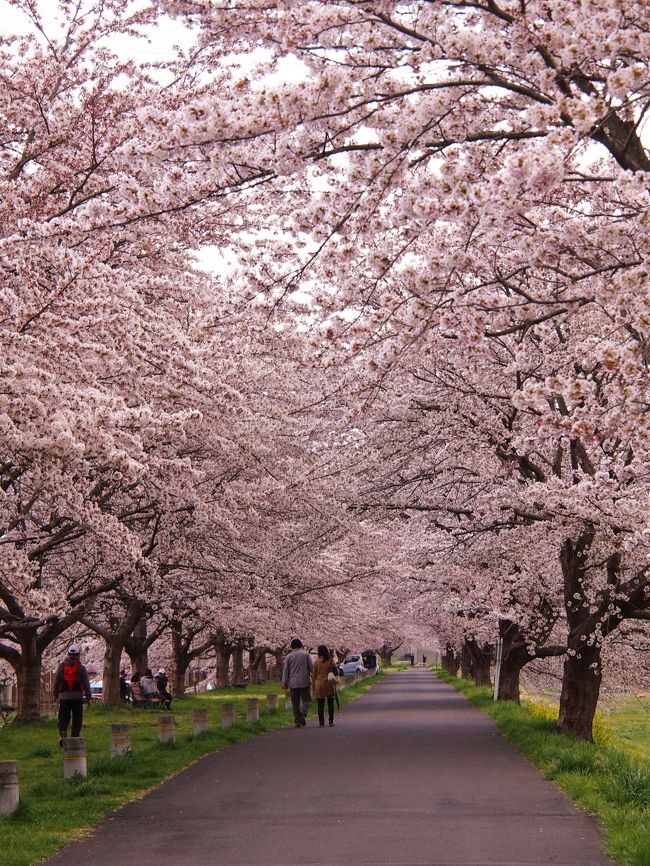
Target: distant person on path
{"points": [[296, 676], [71, 686], [324, 685]]}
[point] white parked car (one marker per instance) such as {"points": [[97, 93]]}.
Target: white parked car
{"points": [[352, 664]]}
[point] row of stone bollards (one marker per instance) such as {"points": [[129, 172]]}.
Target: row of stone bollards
{"points": [[74, 748]]}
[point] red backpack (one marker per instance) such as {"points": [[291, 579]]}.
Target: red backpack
{"points": [[71, 678]]}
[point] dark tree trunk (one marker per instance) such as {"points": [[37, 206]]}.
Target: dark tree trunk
{"points": [[580, 689], [138, 647], [178, 679], [180, 660], [257, 665], [223, 652], [276, 669], [114, 627], [514, 656], [238, 664], [582, 666], [482, 665], [475, 662], [111, 674], [450, 661], [385, 653], [28, 676], [509, 678], [466, 662]]}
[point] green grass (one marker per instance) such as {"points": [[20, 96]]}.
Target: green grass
{"points": [[629, 720], [54, 812], [609, 777]]}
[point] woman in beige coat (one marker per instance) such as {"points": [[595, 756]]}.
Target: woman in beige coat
{"points": [[324, 687]]}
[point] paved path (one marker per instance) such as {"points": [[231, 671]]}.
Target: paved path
{"points": [[410, 775]]}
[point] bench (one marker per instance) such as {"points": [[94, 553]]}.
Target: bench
{"points": [[149, 703]]}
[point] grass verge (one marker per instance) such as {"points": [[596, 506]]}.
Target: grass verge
{"points": [[629, 720], [608, 780], [54, 812]]}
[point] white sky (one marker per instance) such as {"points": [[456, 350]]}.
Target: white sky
{"points": [[157, 45]]}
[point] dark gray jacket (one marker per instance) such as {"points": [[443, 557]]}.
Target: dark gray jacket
{"points": [[296, 670], [62, 691]]}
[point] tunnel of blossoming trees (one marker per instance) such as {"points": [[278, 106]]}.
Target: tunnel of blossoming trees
{"points": [[332, 321]]}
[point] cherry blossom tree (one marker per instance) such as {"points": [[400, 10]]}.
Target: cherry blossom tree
{"points": [[420, 403]]}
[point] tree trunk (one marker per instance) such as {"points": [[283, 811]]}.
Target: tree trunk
{"points": [[178, 679], [257, 665], [481, 671], [580, 690], [475, 662], [582, 666], [180, 660], [238, 665], [137, 647], [111, 674], [450, 661], [276, 668], [114, 627], [514, 656], [509, 677], [466, 662], [223, 652], [28, 676], [263, 669]]}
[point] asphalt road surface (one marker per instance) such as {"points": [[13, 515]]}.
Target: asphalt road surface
{"points": [[411, 775]]}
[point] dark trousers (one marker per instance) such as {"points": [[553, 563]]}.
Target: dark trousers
{"points": [[300, 701], [321, 708], [72, 707]]}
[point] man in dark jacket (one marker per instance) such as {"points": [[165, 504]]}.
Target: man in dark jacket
{"points": [[161, 682], [296, 676], [71, 685]]}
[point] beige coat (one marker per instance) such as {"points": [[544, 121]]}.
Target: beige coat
{"points": [[322, 687]]}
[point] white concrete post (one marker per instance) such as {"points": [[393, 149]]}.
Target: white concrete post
{"points": [[120, 739], [252, 709], [227, 714], [166, 729], [200, 721], [287, 701], [271, 702], [74, 757], [9, 795]]}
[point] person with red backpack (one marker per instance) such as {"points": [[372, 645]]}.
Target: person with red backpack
{"points": [[71, 685]]}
